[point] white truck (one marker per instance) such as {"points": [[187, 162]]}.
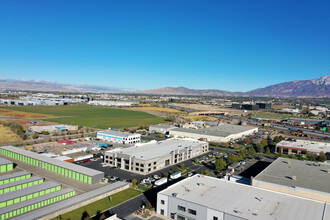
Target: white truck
{"points": [[176, 175], [160, 182]]}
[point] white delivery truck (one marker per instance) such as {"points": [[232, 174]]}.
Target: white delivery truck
{"points": [[160, 182], [176, 175]]}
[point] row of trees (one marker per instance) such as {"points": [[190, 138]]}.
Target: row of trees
{"points": [[16, 128]]}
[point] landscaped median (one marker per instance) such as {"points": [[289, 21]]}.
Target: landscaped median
{"points": [[101, 205]]}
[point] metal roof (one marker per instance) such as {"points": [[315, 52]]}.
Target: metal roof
{"points": [[45, 211], [154, 149], [66, 165], [310, 146], [309, 175], [34, 200], [243, 201], [4, 161], [19, 182], [28, 190], [223, 130], [13, 175], [116, 133]]}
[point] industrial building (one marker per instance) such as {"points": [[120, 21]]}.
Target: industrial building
{"points": [[20, 184], [113, 103], [162, 128], [75, 172], [301, 147], [119, 137], [4, 179], [206, 198], [300, 178], [27, 101], [53, 128], [152, 156], [35, 203], [221, 133], [5, 165]]}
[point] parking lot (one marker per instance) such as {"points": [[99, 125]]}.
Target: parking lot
{"points": [[125, 175]]}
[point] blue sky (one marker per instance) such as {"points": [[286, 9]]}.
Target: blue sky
{"points": [[232, 45]]}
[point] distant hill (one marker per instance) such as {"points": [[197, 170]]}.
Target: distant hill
{"points": [[185, 91], [48, 86], [319, 87]]}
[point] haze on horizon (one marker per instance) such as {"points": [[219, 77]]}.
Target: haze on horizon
{"points": [[234, 46]]}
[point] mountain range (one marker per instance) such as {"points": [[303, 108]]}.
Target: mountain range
{"points": [[49, 86], [319, 87]]}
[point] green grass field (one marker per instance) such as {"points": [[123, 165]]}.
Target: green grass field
{"points": [[101, 204], [92, 116]]}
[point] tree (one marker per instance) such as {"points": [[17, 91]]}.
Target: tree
{"points": [[205, 172], [35, 136], [267, 150], [232, 158], [220, 164], [134, 182], [236, 146], [263, 142], [260, 148], [182, 166], [85, 216], [322, 157], [252, 150], [166, 174]]}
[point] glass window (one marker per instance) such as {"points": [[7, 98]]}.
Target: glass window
{"points": [[181, 217], [181, 208], [191, 211], [162, 202]]}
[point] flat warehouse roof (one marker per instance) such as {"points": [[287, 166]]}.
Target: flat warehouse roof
{"points": [[34, 200], [4, 161], [311, 146], [219, 131], [19, 182], [155, 149], [309, 175], [116, 133], [13, 175], [67, 165], [28, 190], [244, 201]]}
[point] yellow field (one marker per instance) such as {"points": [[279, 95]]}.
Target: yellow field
{"points": [[156, 109], [7, 136], [199, 118], [19, 114]]}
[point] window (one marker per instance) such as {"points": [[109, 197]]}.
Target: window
{"points": [[162, 202], [181, 208], [162, 211], [191, 211], [215, 218], [181, 217]]}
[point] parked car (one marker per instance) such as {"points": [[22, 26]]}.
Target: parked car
{"points": [[190, 174]]}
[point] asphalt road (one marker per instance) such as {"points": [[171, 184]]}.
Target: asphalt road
{"points": [[127, 208]]}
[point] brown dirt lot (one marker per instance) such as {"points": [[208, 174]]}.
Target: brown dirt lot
{"points": [[156, 109], [7, 136], [25, 124], [210, 108], [200, 118], [19, 114]]}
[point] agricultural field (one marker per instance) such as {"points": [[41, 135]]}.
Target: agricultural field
{"points": [[91, 116], [270, 115], [157, 109], [7, 136], [19, 114]]}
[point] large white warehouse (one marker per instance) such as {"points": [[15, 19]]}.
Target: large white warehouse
{"points": [[119, 137], [207, 198], [221, 133]]}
